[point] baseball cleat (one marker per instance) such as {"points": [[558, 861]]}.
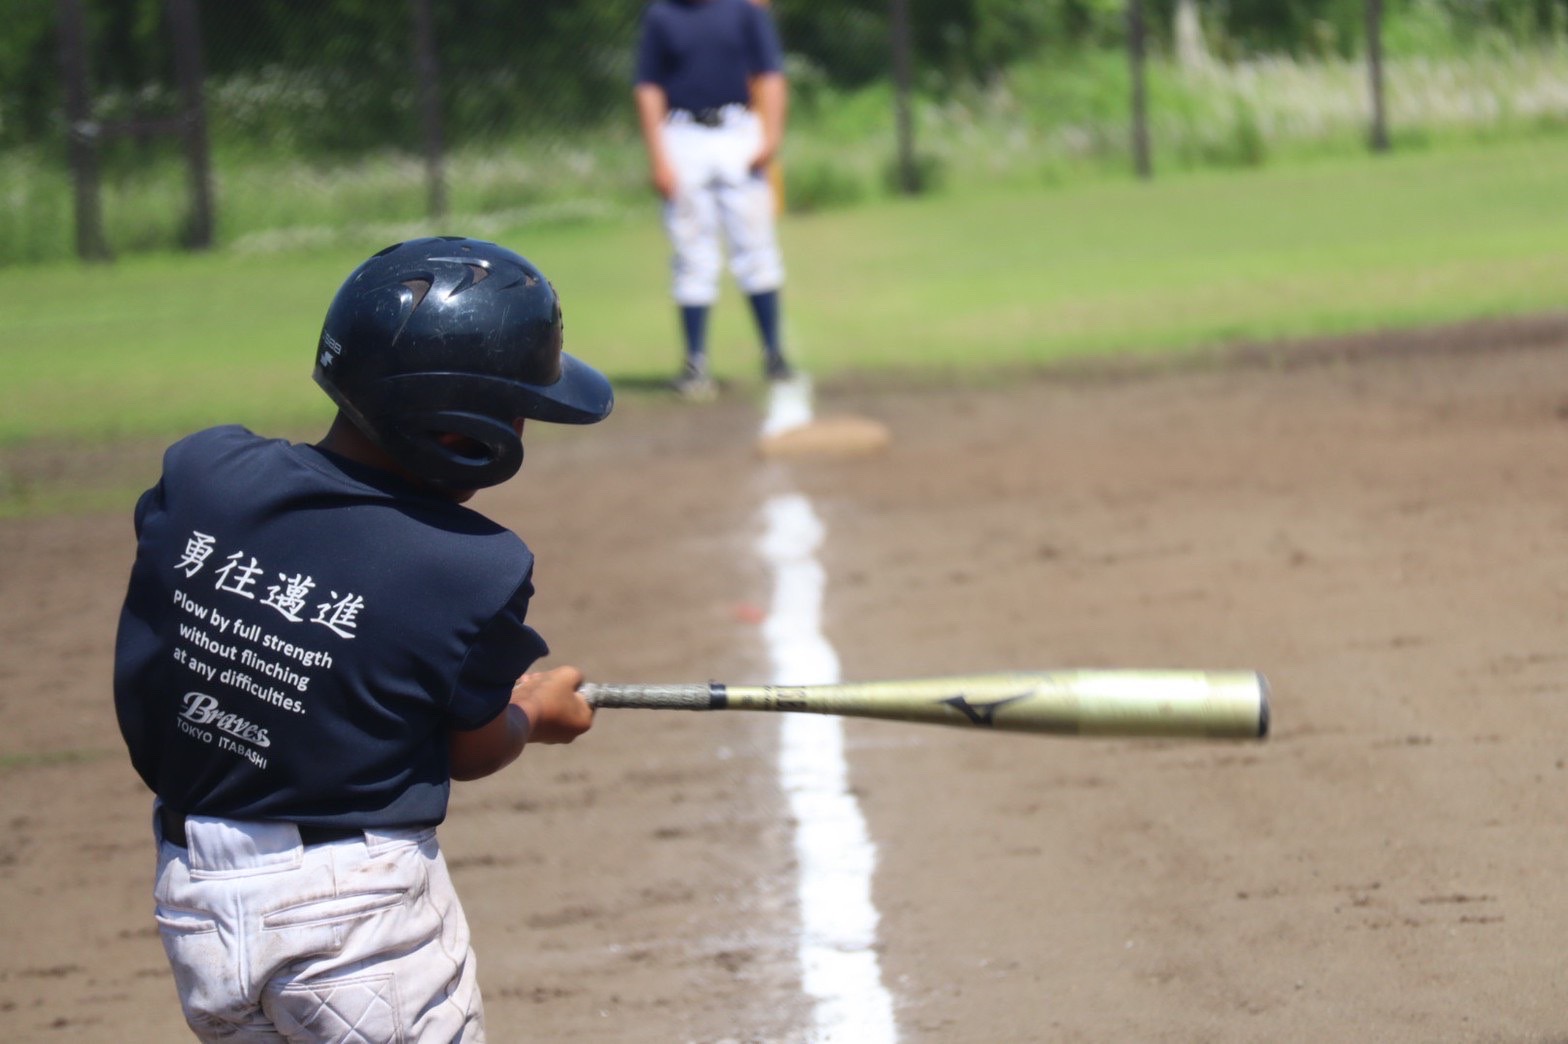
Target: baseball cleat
{"points": [[694, 385], [776, 369]]}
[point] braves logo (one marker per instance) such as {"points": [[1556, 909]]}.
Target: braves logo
{"points": [[202, 709], [982, 714]]}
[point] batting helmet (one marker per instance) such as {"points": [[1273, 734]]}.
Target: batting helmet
{"points": [[453, 336]]}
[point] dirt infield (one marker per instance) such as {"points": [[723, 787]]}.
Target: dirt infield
{"points": [[1378, 525]]}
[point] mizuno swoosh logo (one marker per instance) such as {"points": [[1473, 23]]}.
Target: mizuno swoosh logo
{"points": [[983, 714]]}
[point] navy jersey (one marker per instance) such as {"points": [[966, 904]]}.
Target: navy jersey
{"points": [[301, 632], [702, 53]]}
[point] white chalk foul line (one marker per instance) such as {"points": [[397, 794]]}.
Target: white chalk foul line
{"points": [[839, 966]]}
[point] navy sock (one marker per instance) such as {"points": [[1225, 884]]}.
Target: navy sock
{"points": [[765, 308], [694, 323]]}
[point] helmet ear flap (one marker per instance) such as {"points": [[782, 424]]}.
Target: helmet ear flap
{"points": [[485, 453]]}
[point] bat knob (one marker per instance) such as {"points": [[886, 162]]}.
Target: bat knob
{"points": [[1263, 706]]}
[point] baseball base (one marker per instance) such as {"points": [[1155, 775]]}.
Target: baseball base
{"points": [[840, 436]]}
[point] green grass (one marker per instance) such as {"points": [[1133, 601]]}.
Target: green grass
{"points": [[1194, 260], [155, 346]]}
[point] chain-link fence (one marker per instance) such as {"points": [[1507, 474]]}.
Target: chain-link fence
{"points": [[145, 124]]}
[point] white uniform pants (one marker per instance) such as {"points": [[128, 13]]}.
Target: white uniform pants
{"points": [[361, 940], [718, 197]]}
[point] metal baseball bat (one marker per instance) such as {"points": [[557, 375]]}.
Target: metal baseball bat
{"points": [[1198, 704]]}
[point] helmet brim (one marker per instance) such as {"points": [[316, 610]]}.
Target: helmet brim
{"points": [[582, 395]]}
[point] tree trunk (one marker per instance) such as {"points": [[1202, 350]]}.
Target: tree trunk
{"points": [[908, 173], [1136, 54], [190, 67], [1379, 136], [429, 74], [1192, 51], [81, 133]]}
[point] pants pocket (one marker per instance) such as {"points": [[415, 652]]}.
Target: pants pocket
{"points": [[203, 967], [335, 909], [360, 1009], [172, 921]]}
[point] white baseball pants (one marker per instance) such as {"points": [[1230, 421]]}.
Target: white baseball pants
{"points": [[361, 940], [720, 203]]}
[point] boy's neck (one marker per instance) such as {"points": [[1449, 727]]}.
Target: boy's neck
{"points": [[346, 440]]}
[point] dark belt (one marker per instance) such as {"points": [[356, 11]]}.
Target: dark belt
{"points": [[704, 117], [173, 826]]}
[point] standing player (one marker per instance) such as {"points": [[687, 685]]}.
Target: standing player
{"points": [[699, 62], [317, 639]]}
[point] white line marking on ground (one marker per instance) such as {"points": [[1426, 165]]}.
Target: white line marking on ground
{"points": [[839, 965]]}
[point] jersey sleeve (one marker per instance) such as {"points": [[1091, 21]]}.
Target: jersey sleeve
{"points": [[765, 52], [148, 502], [652, 59], [136, 653], [505, 649]]}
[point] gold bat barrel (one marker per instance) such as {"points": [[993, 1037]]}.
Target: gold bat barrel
{"points": [[1146, 703]]}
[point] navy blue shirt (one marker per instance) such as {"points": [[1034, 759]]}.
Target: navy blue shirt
{"points": [[703, 53], [300, 633]]}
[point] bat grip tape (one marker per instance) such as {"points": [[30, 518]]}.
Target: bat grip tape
{"points": [[712, 696]]}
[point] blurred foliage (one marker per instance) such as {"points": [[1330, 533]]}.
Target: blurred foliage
{"points": [[822, 184], [313, 114], [336, 77]]}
